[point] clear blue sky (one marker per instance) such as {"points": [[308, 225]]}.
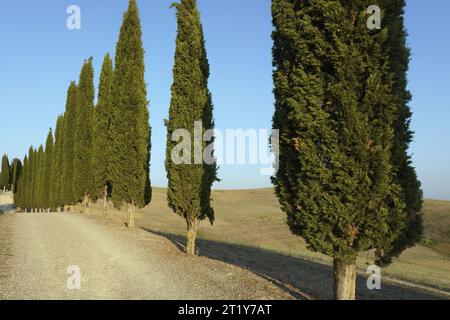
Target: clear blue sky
{"points": [[40, 56]]}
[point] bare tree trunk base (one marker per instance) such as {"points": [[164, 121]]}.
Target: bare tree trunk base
{"points": [[130, 209], [191, 236], [344, 280], [85, 203], [105, 201]]}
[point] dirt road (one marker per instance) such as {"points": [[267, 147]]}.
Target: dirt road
{"points": [[37, 249], [39, 254]]}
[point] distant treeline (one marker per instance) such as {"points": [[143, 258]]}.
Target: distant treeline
{"points": [[10, 174], [101, 150]]}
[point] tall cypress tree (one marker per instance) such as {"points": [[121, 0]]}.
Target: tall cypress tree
{"points": [[405, 173], [34, 179], [19, 197], [82, 176], [129, 137], [102, 117], [189, 191], [335, 115], [16, 174], [57, 170], [47, 171], [5, 174], [68, 149], [28, 186], [40, 179]]}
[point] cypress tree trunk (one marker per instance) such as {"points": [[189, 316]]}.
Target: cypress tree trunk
{"points": [[86, 203], [130, 209], [191, 236], [105, 200], [344, 280]]}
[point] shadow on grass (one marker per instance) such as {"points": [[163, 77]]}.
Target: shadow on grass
{"points": [[301, 278]]}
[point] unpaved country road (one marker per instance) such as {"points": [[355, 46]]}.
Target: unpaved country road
{"points": [[37, 249]]}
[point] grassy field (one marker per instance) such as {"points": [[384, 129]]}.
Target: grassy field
{"points": [[250, 223], [437, 226]]}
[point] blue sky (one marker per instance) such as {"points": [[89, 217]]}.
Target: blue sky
{"points": [[40, 57]]}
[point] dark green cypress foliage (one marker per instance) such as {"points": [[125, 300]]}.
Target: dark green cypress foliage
{"points": [[60, 166], [335, 116], [40, 178], [82, 174], [28, 187], [19, 197], [129, 137], [102, 117], [34, 179], [47, 171], [57, 170], [405, 174], [68, 149], [16, 174], [189, 191], [27, 183], [5, 174]]}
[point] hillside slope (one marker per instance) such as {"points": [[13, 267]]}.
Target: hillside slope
{"points": [[250, 221], [249, 233]]}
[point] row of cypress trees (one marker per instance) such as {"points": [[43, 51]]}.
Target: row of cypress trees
{"points": [[104, 150], [345, 177], [97, 150], [10, 174]]}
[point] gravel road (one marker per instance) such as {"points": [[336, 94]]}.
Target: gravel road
{"points": [[36, 250]]}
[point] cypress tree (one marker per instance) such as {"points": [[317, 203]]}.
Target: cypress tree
{"points": [[335, 115], [102, 117], [82, 174], [47, 171], [40, 179], [57, 170], [5, 174], [129, 137], [19, 197], [34, 160], [68, 152], [189, 190], [28, 189], [16, 174], [405, 173]]}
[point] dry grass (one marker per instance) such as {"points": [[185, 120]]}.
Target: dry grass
{"points": [[437, 225], [250, 222]]}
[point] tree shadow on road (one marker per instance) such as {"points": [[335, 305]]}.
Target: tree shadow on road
{"points": [[6, 207], [301, 278]]}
